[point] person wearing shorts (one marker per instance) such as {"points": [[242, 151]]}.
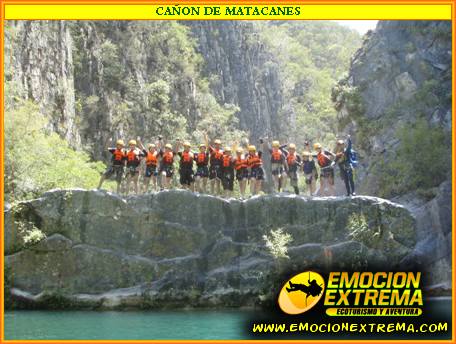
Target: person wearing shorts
{"points": [[202, 171], [117, 165]]}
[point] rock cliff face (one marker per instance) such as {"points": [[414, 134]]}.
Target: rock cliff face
{"points": [[402, 74], [99, 80], [179, 249], [40, 63], [242, 72]]}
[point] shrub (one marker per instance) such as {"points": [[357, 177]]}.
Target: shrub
{"points": [[422, 160], [277, 243], [37, 160]]}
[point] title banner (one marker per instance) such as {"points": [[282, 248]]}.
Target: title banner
{"points": [[231, 11]]}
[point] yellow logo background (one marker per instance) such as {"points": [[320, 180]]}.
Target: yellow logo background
{"points": [[301, 292]]}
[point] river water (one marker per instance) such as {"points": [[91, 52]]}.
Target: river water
{"points": [[191, 324]]}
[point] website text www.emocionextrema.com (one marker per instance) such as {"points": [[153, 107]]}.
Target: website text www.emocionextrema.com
{"points": [[346, 327]]}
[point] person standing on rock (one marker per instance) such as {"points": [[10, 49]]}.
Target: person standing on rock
{"points": [[256, 173], [134, 156], [117, 164], [325, 161], [343, 159], [215, 169], [202, 171], [228, 172], [166, 170], [186, 166], [310, 171], [242, 173], [278, 164], [152, 155], [293, 162]]}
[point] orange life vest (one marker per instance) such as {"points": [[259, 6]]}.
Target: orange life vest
{"points": [[254, 161], [186, 157], [151, 159], [168, 158], [291, 159], [118, 155], [132, 156], [217, 154], [276, 156], [240, 163], [323, 160], [227, 161], [201, 159]]}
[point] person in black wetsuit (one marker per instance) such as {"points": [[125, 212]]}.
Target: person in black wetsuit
{"points": [[343, 159]]}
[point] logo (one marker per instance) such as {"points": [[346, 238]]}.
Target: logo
{"points": [[301, 292], [354, 293]]}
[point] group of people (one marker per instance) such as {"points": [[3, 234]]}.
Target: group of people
{"points": [[221, 167]]}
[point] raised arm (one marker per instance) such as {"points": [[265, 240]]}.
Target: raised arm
{"points": [[140, 144], [177, 145]]}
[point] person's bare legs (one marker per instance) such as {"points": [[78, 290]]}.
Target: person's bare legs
{"points": [[102, 179], [284, 181], [204, 188], [252, 186], [218, 186], [312, 187], [332, 190], [276, 182], [198, 183], [135, 183], [257, 186], [242, 185], [212, 182], [146, 184], [154, 183]]}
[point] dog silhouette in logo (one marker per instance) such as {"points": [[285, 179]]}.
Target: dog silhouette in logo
{"points": [[312, 289]]}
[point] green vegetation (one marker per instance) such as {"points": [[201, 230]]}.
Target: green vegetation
{"points": [[421, 161], [359, 230], [36, 159], [312, 56], [149, 83], [277, 243]]}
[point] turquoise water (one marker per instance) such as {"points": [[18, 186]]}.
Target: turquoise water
{"points": [[192, 324], [124, 325]]}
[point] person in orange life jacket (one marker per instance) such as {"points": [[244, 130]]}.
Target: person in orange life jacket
{"points": [[152, 155], [186, 166], [133, 160], [325, 161], [117, 164], [202, 171], [278, 164], [293, 162], [242, 172], [228, 172], [215, 169], [343, 160], [166, 170], [255, 166], [310, 171]]}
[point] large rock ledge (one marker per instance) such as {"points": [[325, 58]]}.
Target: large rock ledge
{"points": [[180, 249]]}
